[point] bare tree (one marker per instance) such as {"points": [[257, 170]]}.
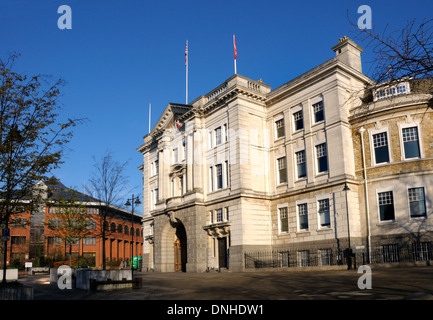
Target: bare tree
{"points": [[108, 184], [400, 55]]}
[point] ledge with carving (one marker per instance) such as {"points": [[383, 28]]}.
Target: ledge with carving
{"points": [[219, 229]]}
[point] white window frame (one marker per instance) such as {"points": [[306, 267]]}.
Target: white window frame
{"points": [[298, 219], [319, 198], [276, 119], [279, 207], [426, 201], [313, 115], [405, 125], [373, 132], [382, 190], [316, 159], [391, 91], [217, 187], [295, 151], [293, 111], [278, 170], [218, 128]]}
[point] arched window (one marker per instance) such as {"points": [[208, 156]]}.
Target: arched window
{"points": [[113, 227], [106, 226], [119, 228], [137, 232], [126, 230]]}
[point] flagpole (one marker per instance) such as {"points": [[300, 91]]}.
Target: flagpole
{"points": [[235, 51], [186, 74], [149, 115]]}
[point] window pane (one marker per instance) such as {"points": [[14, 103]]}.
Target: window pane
{"points": [[219, 174], [218, 135], [325, 219], [303, 216], [301, 165], [380, 142], [417, 202], [282, 172], [284, 221], [280, 128], [411, 144], [297, 118], [322, 158], [318, 112], [219, 215], [386, 206]]}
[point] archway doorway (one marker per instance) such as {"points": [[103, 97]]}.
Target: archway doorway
{"points": [[180, 259]]}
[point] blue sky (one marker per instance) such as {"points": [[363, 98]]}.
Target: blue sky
{"points": [[120, 56]]}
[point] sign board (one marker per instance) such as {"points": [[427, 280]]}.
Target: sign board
{"points": [[28, 264], [358, 249]]}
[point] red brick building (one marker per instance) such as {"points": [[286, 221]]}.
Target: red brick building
{"points": [[31, 237]]}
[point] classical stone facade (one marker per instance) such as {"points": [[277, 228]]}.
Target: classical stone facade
{"points": [[245, 170]]}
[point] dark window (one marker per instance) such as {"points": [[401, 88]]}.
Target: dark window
{"points": [[303, 216], [298, 121], [282, 171], [411, 142], [386, 206], [322, 158], [318, 112], [300, 164], [279, 125], [417, 202], [284, 220], [219, 176], [380, 142]]}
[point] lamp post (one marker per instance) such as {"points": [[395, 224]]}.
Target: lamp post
{"points": [[134, 200], [349, 263]]}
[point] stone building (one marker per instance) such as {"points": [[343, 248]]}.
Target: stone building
{"points": [[246, 176]]}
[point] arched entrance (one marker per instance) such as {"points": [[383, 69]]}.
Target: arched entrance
{"points": [[173, 249]]}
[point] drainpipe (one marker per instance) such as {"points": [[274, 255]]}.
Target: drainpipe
{"points": [[361, 132]]}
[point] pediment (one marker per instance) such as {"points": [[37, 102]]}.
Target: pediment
{"points": [[169, 116]]}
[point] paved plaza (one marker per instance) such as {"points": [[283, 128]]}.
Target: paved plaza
{"points": [[414, 283]]}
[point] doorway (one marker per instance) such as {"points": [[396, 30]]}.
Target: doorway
{"points": [[180, 245], [177, 256], [222, 252]]}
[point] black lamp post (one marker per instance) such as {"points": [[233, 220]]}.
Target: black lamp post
{"points": [[349, 253], [134, 200]]}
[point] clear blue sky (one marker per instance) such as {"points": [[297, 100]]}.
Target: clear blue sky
{"points": [[120, 56]]}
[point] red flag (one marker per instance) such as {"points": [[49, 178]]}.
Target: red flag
{"points": [[234, 47], [186, 53]]}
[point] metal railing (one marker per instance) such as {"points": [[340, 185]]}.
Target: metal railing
{"points": [[391, 253]]}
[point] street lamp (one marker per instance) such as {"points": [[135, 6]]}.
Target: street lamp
{"points": [[134, 200], [349, 263]]}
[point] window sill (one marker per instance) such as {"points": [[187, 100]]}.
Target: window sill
{"points": [[387, 222]]}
